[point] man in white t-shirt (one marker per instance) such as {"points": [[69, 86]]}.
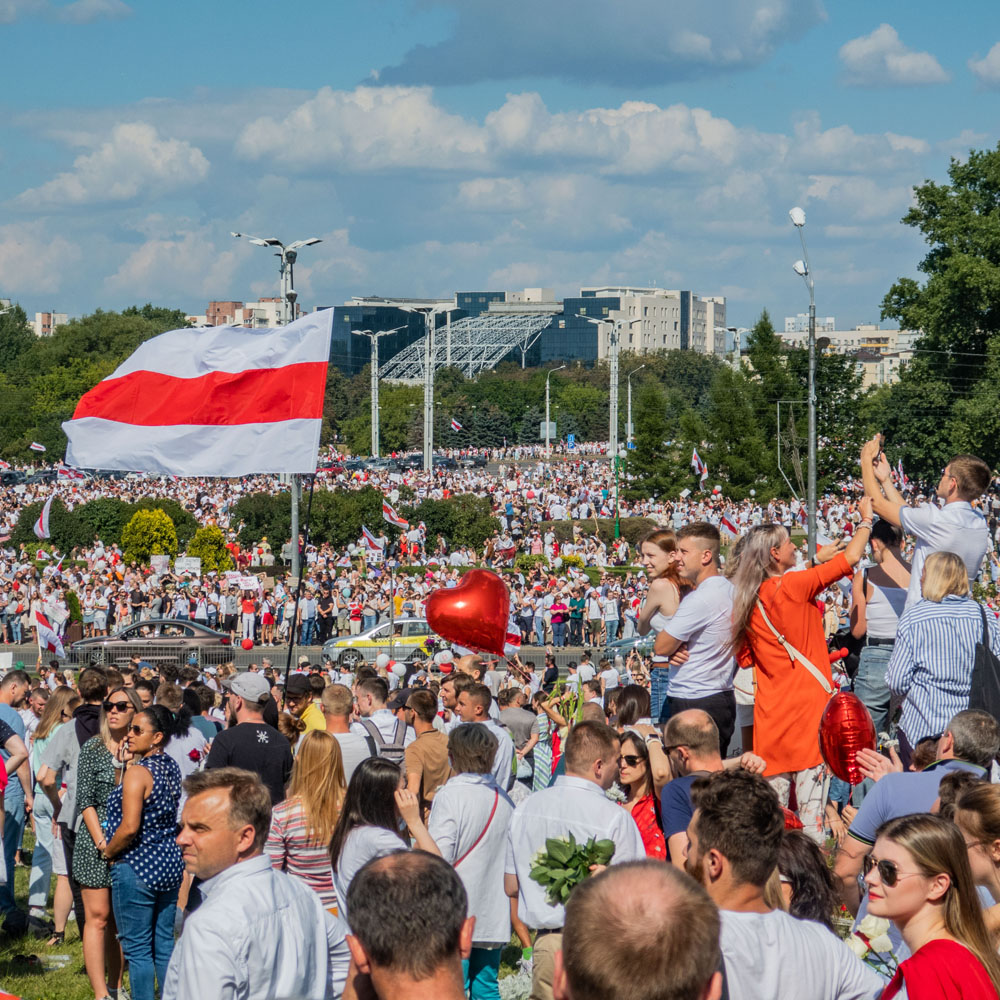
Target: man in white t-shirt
{"points": [[699, 640], [733, 841], [955, 527]]}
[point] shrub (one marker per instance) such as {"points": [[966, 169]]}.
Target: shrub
{"points": [[148, 533], [526, 563], [209, 545]]}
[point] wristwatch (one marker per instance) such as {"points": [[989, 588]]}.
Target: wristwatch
{"points": [[654, 738]]}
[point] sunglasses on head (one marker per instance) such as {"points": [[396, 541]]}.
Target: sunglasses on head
{"points": [[888, 873], [629, 759], [118, 706]]}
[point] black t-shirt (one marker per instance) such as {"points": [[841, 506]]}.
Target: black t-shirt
{"points": [[136, 598], [256, 747]]}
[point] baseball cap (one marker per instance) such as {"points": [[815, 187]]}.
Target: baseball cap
{"points": [[298, 685], [399, 699], [250, 687]]}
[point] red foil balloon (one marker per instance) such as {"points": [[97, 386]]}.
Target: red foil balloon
{"points": [[846, 728], [474, 614], [247, 643]]}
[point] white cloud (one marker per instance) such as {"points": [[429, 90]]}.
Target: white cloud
{"points": [[881, 59], [841, 148], [14, 10], [859, 198], [33, 260], [133, 161], [987, 69], [85, 11]]}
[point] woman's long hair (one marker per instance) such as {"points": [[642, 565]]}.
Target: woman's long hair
{"points": [[318, 783], [61, 700], [937, 847], [641, 750], [633, 705], [802, 864], [666, 540], [753, 567], [132, 695], [370, 801]]}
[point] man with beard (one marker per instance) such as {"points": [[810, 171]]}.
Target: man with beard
{"points": [[249, 742], [732, 849]]}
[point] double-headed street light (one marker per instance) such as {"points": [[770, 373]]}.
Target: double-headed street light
{"points": [[614, 347], [804, 271], [374, 335], [629, 429], [548, 447], [429, 314]]}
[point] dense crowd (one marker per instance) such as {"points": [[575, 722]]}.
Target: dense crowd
{"points": [[482, 827]]}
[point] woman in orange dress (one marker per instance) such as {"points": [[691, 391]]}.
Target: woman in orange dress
{"points": [[778, 629]]}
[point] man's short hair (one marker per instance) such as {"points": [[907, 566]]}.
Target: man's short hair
{"points": [[737, 813], [472, 749], [976, 735], [424, 705], [189, 675], [376, 687], [169, 672], [480, 694], [337, 700], [13, 677], [594, 687], [707, 534], [588, 742], [317, 684], [143, 684], [206, 696], [698, 733], [972, 476], [93, 684], [407, 911], [249, 799], [661, 922]]}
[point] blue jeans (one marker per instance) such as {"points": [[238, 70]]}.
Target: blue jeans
{"points": [[368, 621], [145, 919], [539, 630], [13, 829], [558, 633], [15, 628], [610, 629], [41, 856], [870, 686], [659, 683], [482, 970], [308, 627]]}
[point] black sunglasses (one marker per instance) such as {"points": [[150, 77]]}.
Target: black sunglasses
{"points": [[135, 730], [118, 706], [631, 759], [888, 873]]}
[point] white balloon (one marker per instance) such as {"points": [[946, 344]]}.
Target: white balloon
{"points": [[399, 669], [382, 661]]}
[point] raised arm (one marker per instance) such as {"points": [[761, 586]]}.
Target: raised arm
{"points": [[877, 478]]}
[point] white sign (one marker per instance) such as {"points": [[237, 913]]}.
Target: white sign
{"points": [[232, 576], [552, 430], [159, 564], [188, 564], [249, 583], [685, 493]]}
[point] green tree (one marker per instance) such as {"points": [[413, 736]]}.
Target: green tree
{"points": [[185, 523], [263, 515], [104, 518], [65, 532], [148, 533], [209, 545]]}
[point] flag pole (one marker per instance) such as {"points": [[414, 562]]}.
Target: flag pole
{"points": [[298, 585]]}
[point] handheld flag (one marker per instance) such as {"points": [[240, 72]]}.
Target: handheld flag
{"points": [[35, 446], [700, 468], [48, 638], [42, 524], [215, 401], [370, 540], [455, 425], [728, 528], [392, 517], [4, 465]]}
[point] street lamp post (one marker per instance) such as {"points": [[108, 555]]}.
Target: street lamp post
{"points": [[614, 347], [429, 313], [374, 335], [618, 460], [629, 430], [548, 447], [287, 255], [802, 268]]}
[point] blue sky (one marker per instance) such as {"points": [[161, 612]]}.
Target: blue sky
{"points": [[465, 144]]}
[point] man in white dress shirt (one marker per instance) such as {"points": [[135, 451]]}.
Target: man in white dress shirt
{"points": [[258, 933], [575, 803]]}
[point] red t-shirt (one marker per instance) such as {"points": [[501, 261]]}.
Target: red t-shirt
{"points": [[942, 970]]}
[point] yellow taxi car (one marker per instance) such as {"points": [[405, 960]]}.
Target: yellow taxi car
{"points": [[404, 639]]}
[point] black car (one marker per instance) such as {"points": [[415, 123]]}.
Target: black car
{"points": [[11, 477], [353, 464], [44, 476], [473, 461], [445, 462], [415, 461]]}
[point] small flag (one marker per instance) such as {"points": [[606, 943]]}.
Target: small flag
{"points": [[67, 472], [455, 425], [903, 481], [803, 516], [370, 540], [42, 524], [700, 468], [512, 641], [48, 638], [35, 446], [728, 528], [392, 517], [4, 465]]}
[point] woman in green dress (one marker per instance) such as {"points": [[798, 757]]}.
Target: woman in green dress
{"points": [[100, 757]]}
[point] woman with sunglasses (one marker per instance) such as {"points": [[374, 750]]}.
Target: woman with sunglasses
{"points": [[147, 867], [918, 877], [100, 758], [636, 779]]}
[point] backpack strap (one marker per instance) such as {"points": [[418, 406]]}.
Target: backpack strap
{"points": [[793, 653], [986, 632], [374, 737]]}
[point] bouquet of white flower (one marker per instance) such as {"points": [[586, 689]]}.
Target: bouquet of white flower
{"points": [[872, 944]]}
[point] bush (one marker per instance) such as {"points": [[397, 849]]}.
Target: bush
{"points": [[104, 518], [64, 527], [148, 533], [183, 520], [526, 563], [73, 606], [209, 545], [461, 520], [632, 528]]}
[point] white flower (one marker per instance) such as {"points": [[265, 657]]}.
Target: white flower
{"points": [[857, 946], [615, 794], [881, 944], [873, 927]]}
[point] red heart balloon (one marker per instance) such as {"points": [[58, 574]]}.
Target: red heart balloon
{"points": [[846, 728], [474, 614]]}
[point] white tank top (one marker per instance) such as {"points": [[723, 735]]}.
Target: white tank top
{"points": [[883, 611], [659, 623]]}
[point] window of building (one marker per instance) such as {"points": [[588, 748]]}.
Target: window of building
{"points": [[604, 310]]}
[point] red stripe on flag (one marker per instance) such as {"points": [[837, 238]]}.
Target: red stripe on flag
{"points": [[259, 395]]}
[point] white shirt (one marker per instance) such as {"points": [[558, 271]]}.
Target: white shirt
{"points": [[459, 814], [353, 750], [259, 933], [385, 722], [610, 678], [769, 955], [704, 620], [954, 528], [570, 805], [361, 845]]}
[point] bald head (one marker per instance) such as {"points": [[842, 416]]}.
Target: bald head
{"points": [[695, 731], [661, 921]]}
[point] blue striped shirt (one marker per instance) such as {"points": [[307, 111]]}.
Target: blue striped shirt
{"points": [[932, 660]]}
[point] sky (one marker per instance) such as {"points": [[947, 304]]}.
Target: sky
{"points": [[455, 145]]}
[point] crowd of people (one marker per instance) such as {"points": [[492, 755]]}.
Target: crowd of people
{"points": [[431, 827]]}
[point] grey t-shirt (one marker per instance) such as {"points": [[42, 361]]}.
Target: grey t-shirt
{"points": [[62, 755], [519, 722]]}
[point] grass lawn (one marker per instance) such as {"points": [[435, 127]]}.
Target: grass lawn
{"points": [[23, 960]]}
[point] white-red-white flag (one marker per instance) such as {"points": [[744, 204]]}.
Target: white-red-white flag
{"points": [[700, 468], [35, 446], [455, 425], [4, 465], [728, 528], [392, 517], [48, 638], [215, 401], [65, 472], [42, 524]]}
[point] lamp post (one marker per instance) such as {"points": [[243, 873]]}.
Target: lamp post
{"points": [[548, 447], [619, 458], [614, 346], [374, 335], [629, 431], [429, 312], [802, 268], [287, 255]]}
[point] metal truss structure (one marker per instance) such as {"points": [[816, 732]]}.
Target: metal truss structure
{"points": [[473, 344]]}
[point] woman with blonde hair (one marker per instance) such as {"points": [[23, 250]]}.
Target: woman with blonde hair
{"points": [[977, 816], [918, 876], [302, 825], [935, 651]]}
